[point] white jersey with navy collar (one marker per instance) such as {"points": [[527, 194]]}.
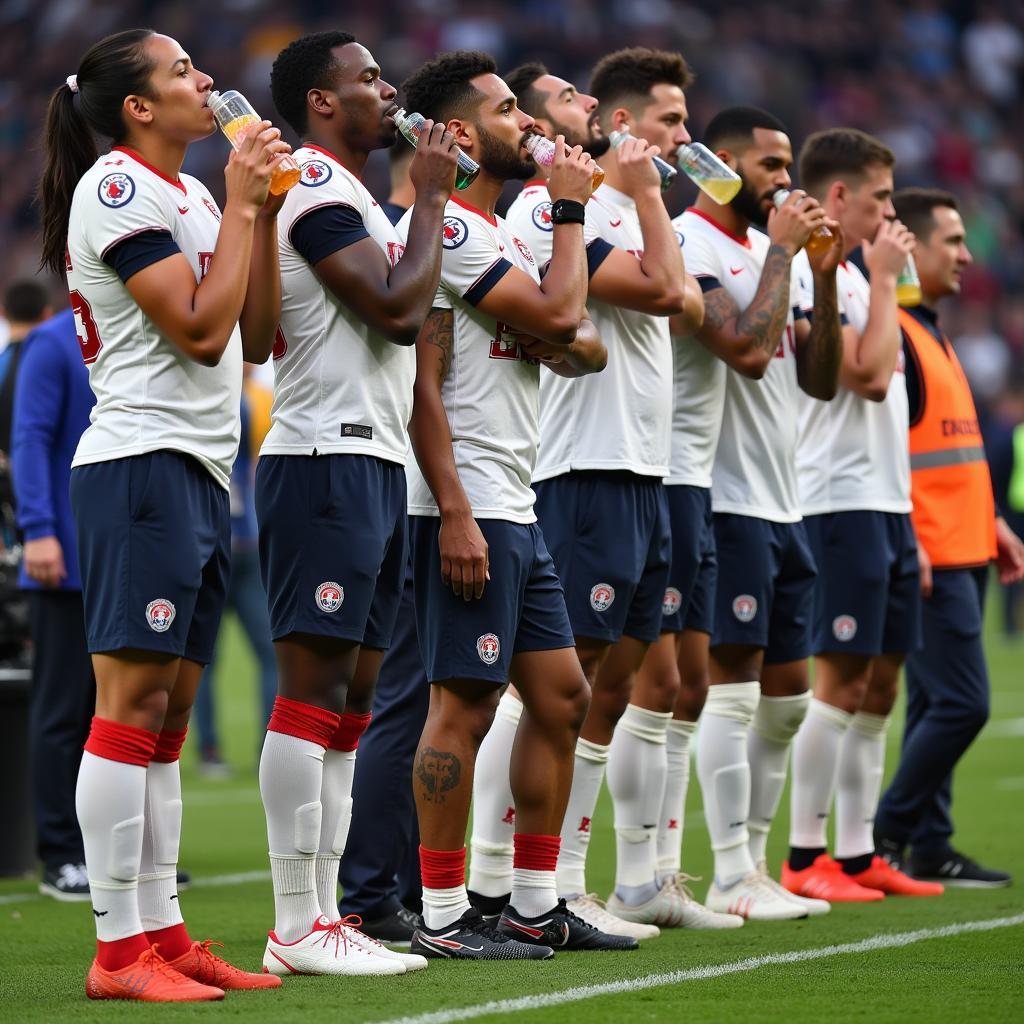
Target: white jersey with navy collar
{"points": [[149, 395]]}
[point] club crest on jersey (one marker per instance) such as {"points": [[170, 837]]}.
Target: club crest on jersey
{"points": [[844, 628], [211, 206], [524, 249], [315, 172], [488, 647], [453, 232], [542, 217], [602, 595], [671, 602], [329, 596], [160, 614], [744, 607], [116, 190]]}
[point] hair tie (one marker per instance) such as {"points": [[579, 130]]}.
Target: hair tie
{"points": [[72, 81]]}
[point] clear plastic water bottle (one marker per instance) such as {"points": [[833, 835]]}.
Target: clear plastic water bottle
{"points": [[665, 169], [708, 173], [821, 238], [908, 284], [542, 150], [411, 127]]}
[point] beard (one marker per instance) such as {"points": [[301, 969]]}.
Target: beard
{"points": [[500, 160], [574, 138], [747, 203]]}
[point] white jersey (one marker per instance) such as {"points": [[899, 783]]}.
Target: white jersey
{"points": [[149, 395], [619, 419], [755, 463], [340, 387], [698, 398], [854, 454], [492, 391]]}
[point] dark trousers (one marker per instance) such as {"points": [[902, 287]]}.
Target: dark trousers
{"points": [[947, 706], [63, 703], [380, 869]]}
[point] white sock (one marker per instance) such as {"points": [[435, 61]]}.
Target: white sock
{"points": [[815, 764], [771, 735], [861, 766], [336, 801], [110, 799], [588, 771], [491, 849], [158, 877], [636, 781], [291, 778], [673, 805], [442, 907], [533, 892], [724, 773]]}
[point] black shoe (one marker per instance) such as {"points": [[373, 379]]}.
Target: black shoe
{"points": [[395, 929], [68, 883], [954, 869], [490, 906], [890, 850], [562, 929], [471, 938], [184, 880]]}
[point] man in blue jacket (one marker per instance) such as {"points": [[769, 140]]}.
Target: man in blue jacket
{"points": [[52, 401]]}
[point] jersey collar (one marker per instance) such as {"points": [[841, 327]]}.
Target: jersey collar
{"points": [[744, 240], [493, 221], [328, 153], [178, 184]]}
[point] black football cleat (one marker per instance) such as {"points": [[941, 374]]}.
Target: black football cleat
{"points": [[560, 928], [472, 938], [954, 869]]}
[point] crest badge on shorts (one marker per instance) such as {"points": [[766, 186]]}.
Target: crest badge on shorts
{"points": [[672, 601], [602, 595], [844, 628], [160, 614], [744, 607], [488, 647], [329, 596]]}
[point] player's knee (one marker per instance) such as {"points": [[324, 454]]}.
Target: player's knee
{"points": [[578, 703], [611, 698], [693, 693], [477, 717]]}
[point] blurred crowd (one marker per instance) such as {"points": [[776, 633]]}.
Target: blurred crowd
{"points": [[941, 83]]}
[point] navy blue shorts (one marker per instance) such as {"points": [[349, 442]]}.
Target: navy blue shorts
{"points": [[868, 595], [522, 608], [610, 537], [154, 542], [690, 594], [333, 545], [765, 593]]}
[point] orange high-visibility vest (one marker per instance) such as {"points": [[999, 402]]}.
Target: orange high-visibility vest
{"points": [[954, 512]]}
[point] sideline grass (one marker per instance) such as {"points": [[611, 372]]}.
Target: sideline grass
{"points": [[45, 946]]}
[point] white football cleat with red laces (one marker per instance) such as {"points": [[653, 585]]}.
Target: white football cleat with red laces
{"points": [[330, 948]]}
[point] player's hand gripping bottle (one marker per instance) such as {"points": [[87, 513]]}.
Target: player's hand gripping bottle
{"points": [[233, 113], [410, 125], [821, 238], [708, 173], [665, 169], [542, 150]]}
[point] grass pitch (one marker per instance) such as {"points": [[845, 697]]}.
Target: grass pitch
{"points": [[45, 947]]}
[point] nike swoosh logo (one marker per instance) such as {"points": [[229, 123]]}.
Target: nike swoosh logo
{"points": [[735, 270], [614, 223], [182, 209], [174, 897], [100, 913]]}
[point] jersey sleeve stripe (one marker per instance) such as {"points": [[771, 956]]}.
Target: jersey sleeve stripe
{"points": [[326, 229], [708, 283], [138, 251], [597, 253], [131, 234], [478, 291]]}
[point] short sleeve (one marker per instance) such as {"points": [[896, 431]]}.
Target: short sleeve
{"points": [[701, 259], [121, 204], [472, 262], [136, 252], [325, 230]]}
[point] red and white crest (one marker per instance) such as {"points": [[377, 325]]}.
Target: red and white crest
{"points": [[602, 595], [488, 647], [329, 596], [844, 628], [672, 601], [744, 607], [160, 614]]}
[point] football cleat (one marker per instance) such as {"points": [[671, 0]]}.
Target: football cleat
{"points": [[329, 948], [201, 965], [814, 907], [395, 929], [893, 882], [472, 938], [826, 880], [695, 914], [560, 929], [664, 908], [753, 898], [151, 979], [591, 909], [69, 883], [411, 961], [959, 871]]}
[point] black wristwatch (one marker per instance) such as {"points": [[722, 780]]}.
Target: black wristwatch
{"points": [[567, 211]]}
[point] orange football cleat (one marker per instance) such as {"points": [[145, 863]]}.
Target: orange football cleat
{"points": [[207, 968], [825, 880], [151, 979], [882, 875]]}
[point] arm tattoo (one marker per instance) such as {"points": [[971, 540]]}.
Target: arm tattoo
{"points": [[439, 329], [764, 319], [818, 358], [438, 771]]}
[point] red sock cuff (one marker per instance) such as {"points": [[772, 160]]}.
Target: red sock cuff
{"points": [[535, 853], [168, 746], [303, 721], [116, 741], [442, 869], [350, 728]]}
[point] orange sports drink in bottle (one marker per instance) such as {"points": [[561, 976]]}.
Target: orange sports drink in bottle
{"points": [[234, 113], [821, 238]]}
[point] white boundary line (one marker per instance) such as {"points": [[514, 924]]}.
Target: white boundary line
{"points": [[892, 940]]}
